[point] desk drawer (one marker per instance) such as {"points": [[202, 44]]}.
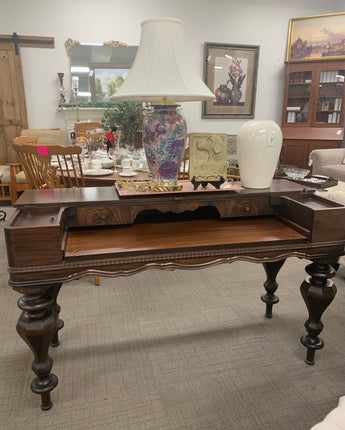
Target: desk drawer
{"points": [[243, 207], [92, 216]]}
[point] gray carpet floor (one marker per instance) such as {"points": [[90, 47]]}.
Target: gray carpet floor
{"points": [[176, 350]]}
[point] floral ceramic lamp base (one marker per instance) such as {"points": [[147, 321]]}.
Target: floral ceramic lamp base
{"points": [[164, 138]]}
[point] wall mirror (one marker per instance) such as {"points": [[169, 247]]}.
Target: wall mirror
{"points": [[98, 70]]}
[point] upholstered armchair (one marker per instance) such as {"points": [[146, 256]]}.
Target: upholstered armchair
{"points": [[328, 162]]}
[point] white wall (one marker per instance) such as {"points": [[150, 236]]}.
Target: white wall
{"points": [[252, 22]]}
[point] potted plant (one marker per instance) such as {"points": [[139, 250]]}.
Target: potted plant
{"points": [[128, 117]]}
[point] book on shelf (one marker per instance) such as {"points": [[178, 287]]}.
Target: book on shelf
{"points": [[325, 105], [328, 76], [291, 117], [333, 118]]}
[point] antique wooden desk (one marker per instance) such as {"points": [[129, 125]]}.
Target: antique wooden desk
{"points": [[57, 236]]}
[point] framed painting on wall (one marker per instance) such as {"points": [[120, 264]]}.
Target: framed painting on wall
{"points": [[319, 37], [230, 72]]}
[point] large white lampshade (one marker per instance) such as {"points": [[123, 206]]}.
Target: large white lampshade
{"points": [[163, 74], [162, 66]]}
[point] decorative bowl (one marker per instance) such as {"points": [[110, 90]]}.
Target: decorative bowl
{"points": [[295, 172]]}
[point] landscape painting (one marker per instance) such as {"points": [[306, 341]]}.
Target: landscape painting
{"points": [[318, 37], [108, 81]]}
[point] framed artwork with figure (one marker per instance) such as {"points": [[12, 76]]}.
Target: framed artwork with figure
{"points": [[230, 72]]}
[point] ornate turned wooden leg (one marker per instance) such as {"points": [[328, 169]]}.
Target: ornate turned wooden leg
{"points": [[271, 285], [317, 291], [55, 291], [37, 326]]}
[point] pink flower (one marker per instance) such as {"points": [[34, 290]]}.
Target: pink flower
{"points": [[235, 68]]}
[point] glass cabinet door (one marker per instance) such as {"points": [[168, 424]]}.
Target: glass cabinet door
{"points": [[298, 100], [330, 96]]}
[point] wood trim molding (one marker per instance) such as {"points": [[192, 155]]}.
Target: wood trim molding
{"points": [[27, 41]]}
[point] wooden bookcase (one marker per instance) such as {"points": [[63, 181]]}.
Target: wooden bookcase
{"points": [[313, 110]]}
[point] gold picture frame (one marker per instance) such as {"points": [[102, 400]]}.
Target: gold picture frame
{"points": [[319, 37], [230, 72]]}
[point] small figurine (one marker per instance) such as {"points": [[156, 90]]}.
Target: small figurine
{"points": [[109, 135]]}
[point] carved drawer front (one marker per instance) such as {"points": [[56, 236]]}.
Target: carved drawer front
{"points": [[102, 216]]}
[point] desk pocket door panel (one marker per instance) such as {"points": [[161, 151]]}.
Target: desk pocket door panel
{"points": [[318, 215]]}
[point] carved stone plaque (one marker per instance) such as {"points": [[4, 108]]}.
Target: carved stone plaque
{"points": [[208, 156]]}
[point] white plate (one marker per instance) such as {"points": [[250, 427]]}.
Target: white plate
{"points": [[98, 172], [128, 174]]}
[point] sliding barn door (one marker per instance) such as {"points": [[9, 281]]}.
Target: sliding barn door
{"points": [[13, 116]]}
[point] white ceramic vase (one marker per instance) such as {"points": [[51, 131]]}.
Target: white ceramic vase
{"points": [[258, 148]]}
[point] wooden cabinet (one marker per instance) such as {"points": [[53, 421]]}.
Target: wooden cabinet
{"points": [[298, 142], [313, 110], [314, 93]]}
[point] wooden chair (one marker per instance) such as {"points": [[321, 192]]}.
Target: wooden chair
{"points": [[80, 128], [41, 171], [19, 182], [64, 171], [233, 173], [5, 183], [94, 140], [184, 169], [5, 193]]}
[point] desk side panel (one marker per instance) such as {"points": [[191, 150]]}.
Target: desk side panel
{"points": [[325, 219], [35, 238]]}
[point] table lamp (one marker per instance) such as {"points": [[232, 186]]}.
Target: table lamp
{"points": [[162, 74]]}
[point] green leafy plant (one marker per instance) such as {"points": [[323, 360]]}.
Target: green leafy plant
{"points": [[128, 117]]}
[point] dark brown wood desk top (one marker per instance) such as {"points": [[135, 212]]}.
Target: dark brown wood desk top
{"points": [[92, 195]]}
